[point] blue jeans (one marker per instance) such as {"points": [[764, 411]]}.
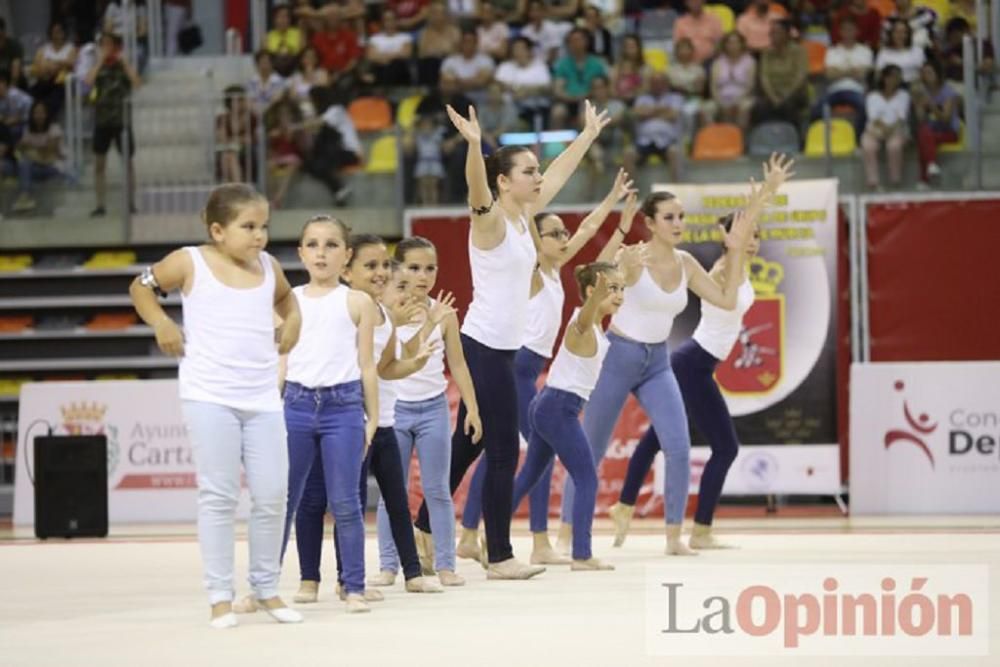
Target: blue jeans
{"points": [[644, 370], [555, 422], [328, 424], [695, 371], [426, 427], [28, 172], [222, 438], [528, 366], [847, 98]]}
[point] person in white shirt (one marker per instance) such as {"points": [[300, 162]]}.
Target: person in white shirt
{"points": [[527, 79], [267, 86], [900, 50], [389, 52], [848, 65], [546, 35], [493, 33], [474, 70], [888, 108]]}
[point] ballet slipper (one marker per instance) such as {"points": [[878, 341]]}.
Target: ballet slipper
{"points": [[245, 605], [468, 545], [369, 596], [543, 554], [484, 554], [590, 565], [702, 538], [383, 578], [222, 616], [423, 585], [356, 604], [277, 609], [621, 514], [512, 569], [450, 578], [676, 547], [308, 592], [425, 551], [564, 542]]}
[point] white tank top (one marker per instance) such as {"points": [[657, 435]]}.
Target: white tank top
{"points": [[327, 352], [386, 388], [545, 316], [718, 329], [578, 375], [429, 381], [648, 313], [230, 356], [501, 288]]}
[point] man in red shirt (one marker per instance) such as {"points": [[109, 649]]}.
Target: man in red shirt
{"points": [[868, 20], [339, 52], [410, 13]]}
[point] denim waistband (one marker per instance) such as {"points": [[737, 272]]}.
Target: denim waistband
{"points": [[417, 405], [612, 336], [294, 389], [567, 398]]}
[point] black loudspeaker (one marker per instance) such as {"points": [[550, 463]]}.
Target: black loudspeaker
{"points": [[71, 486]]}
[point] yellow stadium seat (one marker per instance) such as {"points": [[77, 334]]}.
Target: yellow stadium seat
{"points": [[384, 157], [842, 139], [955, 146], [109, 259], [14, 262], [12, 386], [941, 7], [406, 113], [656, 59], [725, 15]]}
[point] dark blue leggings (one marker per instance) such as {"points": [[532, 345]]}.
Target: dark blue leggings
{"points": [[694, 369], [528, 366], [384, 462]]}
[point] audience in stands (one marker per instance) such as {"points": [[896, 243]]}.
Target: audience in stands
{"points": [[574, 74], [600, 36], [784, 74], [659, 127], [463, 11], [508, 11], [286, 141], [389, 53], [901, 51], [11, 54], [953, 55], [935, 106], [493, 34], [734, 78], [39, 155], [52, 63], [923, 22], [473, 70], [284, 41], [439, 39], [687, 77], [497, 116], [339, 53], [605, 153], [426, 144], [755, 24], [453, 146], [234, 136], [868, 20], [702, 28], [888, 114], [266, 86], [15, 108], [336, 146], [848, 66], [629, 75], [308, 76], [545, 34], [411, 13], [528, 81]]}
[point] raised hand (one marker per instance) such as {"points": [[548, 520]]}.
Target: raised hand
{"points": [[600, 288], [623, 186], [777, 170], [594, 122], [628, 213], [442, 308], [408, 311], [468, 128], [631, 258], [740, 232], [426, 351]]}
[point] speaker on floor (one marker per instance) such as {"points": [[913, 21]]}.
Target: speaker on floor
{"points": [[71, 486]]}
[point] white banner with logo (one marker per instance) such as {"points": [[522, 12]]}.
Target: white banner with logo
{"points": [[151, 473], [925, 438]]}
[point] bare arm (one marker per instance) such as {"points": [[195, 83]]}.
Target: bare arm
{"points": [[287, 308], [590, 225], [563, 166], [460, 374], [365, 311], [171, 273], [610, 250], [580, 336]]}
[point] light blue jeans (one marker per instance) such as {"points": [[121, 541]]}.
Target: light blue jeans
{"points": [[426, 427], [222, 438], [644, 370]]}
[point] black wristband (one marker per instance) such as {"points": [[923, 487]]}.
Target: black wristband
{"points": [[481, 210]]}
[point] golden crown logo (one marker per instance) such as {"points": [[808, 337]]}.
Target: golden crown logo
{"points": [[83, 412], [765, 276]]}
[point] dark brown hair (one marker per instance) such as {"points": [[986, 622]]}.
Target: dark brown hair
{"points": [[502, 162], [359, 241], [411, 243], [226, 202], [653, 200], [586, 275], [322, 218]]}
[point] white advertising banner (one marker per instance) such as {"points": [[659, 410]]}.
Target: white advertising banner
{"points": [[151, 473], [925, 438]]}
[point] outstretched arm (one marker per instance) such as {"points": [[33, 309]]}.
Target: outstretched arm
{"points": [[610, 250], [563, 166], [622, 188], [484, 215]]}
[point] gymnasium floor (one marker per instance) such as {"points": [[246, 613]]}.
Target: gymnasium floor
{"points": [[135, 599]]}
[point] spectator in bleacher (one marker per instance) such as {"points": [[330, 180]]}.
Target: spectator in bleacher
{"points": [[389, 53], [439, 39], [235, 128], [339, 52], [687, 77], [888, 113], [953, 55], [11, 54], [53, 63], [868, 20], [659, 127], [900, 50], [493, 34], [629, 75], [966, 9], [425, 143], [848, 66], [175, 13], [349, 12], [266, 86], [608, 150], [473, 70], [784, 74], [702, 28], [734, 77], [545, 34], [336, 146], [527, 79], [507, 11], [463, 11], [811, 18], [284, 41], [453, 146], [307, 76], [923, 22], [286, 149], [612, 14], [116, 16], [497, 116], [935, 106], [410, 14], [574, 74], [114, 80], [40, 155], [562, 10], [600, 37], [755, 24]]}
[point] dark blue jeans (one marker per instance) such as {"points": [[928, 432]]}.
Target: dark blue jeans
{"points": [[492, 374], [384, 463], [328, 424], [846, 98], [694, 369], [528, 366], [556, 430]]}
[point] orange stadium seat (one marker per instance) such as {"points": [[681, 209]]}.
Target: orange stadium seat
{"points": [[719, 141], [370, 114]]}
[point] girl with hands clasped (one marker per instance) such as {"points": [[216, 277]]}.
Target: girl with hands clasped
{"points": [[545, 310], [422, 418], [505, 193], [555, 412], [230, 290]]}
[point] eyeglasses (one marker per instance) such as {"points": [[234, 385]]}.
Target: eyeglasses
{"points": [[558, 234]]}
